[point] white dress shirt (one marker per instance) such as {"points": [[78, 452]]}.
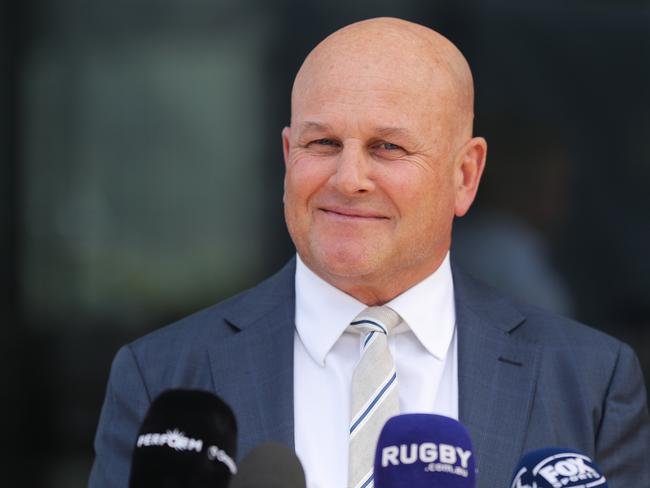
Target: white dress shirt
{"points": [[325, 354]]}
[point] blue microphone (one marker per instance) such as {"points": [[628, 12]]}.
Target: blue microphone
{"points": [[418, 449], [554, 467]]}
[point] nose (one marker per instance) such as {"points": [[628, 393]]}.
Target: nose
{"points": [[352, 175]]}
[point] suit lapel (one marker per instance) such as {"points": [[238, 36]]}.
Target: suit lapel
{"points": [[497, 377], [253, 369]]}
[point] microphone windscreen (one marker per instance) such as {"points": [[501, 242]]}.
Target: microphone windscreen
{"points": [[188, 439], [554, 467], [418, 450], [269, 465]]}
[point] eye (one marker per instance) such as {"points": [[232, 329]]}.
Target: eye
{"points": [[388, 150], [325, 142], [324, 146], [389, 146]]}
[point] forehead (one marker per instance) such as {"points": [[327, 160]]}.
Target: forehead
{"points": [[370, 96], [390, 78]]}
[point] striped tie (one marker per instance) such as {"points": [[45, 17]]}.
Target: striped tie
{"points": [[374, 392]]}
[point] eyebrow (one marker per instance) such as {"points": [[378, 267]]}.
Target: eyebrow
{"points": [[382, 131], [314, 126], [393, 131]]}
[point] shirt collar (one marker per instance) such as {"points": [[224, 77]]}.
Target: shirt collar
{"points": [[323, 312], [429, 311]]}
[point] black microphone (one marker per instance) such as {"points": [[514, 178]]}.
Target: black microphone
{"points": [[269, 466], [424, 450], [188, 439], [555, 467]]}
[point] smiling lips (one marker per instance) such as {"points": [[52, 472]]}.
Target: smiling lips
{"points": [[352, 214]]}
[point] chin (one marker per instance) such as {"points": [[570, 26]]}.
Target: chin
{"points": [[344, 261]]}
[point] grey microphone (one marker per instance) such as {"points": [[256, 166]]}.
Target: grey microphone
{"points": [[269, 465]]}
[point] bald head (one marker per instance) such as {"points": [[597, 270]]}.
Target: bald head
{"points": [[409, 56]]}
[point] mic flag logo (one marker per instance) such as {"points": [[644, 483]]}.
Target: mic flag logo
{"points": [[441, 458], [222, 456], [555, 468], [175, 439], [178, 441]]}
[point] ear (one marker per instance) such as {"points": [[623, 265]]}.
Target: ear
{"points": [[286, 133], [468, 170]]}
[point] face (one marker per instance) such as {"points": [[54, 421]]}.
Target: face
{"points": [[373, 180]]}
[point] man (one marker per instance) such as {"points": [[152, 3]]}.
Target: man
{"points": [[380, 158]]}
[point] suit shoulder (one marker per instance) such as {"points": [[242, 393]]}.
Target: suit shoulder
{"points": [[529, 323], [544, 326]]}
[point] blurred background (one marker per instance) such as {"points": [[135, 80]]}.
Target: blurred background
{"points": [[141, 177]]}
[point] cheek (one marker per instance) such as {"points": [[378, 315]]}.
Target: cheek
{"points": [[425, 202], [303, 178]]}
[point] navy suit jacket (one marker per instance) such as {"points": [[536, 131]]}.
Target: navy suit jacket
{"points": [[527, 380]]}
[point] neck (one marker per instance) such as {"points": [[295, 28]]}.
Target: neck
{"points": [[375, 290]]}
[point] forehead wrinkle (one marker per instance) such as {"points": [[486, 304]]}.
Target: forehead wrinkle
{"points": [[335, 87]]}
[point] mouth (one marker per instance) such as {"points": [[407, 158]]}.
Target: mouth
{"points": [[352, 214]]}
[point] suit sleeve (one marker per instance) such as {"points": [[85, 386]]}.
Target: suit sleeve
{"points": [[125, 406], [623, 440]]}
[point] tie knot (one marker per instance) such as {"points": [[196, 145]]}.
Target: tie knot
{"points": [[375, 319]]}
